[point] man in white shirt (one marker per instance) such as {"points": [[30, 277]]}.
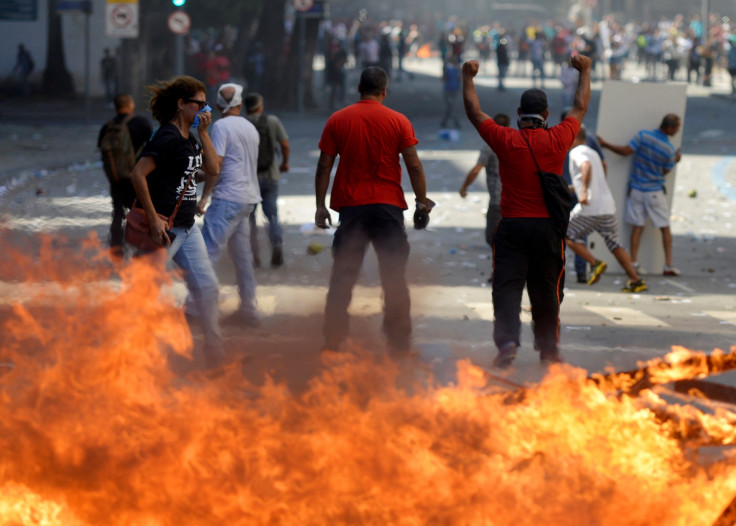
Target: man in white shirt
{"points": [[595, 210], [235, 195]]}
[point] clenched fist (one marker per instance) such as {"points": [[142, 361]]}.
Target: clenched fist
{"points": [[470, 68], [580, 62]]}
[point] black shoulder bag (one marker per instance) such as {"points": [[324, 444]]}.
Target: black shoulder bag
{"points": [[556, 196]]}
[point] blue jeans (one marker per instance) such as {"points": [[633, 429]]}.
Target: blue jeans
{"points": [[269, 194], [190, 253], [227, 222]]}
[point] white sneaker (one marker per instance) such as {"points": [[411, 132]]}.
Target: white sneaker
{"points": [[639, 270], [671, 271]]}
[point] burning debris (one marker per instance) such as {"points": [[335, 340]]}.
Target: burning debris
{"points": [[96, 429]]}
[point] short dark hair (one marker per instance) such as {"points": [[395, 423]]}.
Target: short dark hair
{"points": [[122, 100], [669, 121], [253, 101], [533, 101], [373, 81]]}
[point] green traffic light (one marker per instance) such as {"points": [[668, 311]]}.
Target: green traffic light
{"points": [[178, 3]]}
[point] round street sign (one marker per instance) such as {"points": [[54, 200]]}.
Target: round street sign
{"points": [[179, 22], [122, 16], [121, 20], [303, 5]]}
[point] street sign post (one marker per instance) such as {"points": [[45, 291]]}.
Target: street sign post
{"points": [[121, 19]]}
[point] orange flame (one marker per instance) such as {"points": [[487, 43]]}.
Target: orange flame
{"points": [[96, 430]]}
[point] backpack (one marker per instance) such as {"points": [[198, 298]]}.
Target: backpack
{"points": [[265, 146], [116, 146]]}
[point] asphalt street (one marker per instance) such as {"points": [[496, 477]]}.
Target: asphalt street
{"points": [[51, 181]]}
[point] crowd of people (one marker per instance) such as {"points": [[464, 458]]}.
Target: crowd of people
{"points": [[239, 157], [671, 48]]}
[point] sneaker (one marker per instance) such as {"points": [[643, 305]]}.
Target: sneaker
{"points": [[670, 271], [277, 257], [639, 270], [582, 278], [597, 271], [635, 286], [505, 356]]}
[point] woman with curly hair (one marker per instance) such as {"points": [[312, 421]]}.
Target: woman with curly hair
{"points": [[167, 169]]}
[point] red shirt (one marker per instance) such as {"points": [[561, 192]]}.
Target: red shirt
{"points": [[521, 191], [368, 137]]}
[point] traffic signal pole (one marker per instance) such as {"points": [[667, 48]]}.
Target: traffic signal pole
{"points": [[178, 55], [300, 68], [179, 41]]}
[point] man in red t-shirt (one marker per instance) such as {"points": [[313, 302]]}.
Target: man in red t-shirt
{"points": [[369, 137], [527, 251]]}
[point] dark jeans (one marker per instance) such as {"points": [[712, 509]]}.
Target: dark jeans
{"points": [[123, 195], [382, 225], [270, 195], [527, 252]]}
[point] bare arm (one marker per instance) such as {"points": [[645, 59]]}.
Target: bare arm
{"points": [[158, 226], [321, 184], [285, 149], [587, 175], [416, 175], [472, 174], [582, 93], [470, 97], [209, 184], [624, 150], [678, 156]]}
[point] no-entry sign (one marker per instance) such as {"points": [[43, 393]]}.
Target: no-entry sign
{"points": [[121, 20], [303, 5], [179, 22]]}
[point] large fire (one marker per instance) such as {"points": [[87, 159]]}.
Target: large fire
{"points": [[96, 430]]}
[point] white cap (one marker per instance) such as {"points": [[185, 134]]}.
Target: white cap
{"points": [[237, 99]]}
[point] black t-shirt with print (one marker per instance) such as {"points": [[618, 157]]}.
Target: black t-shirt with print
{"points": [[176, 159]]}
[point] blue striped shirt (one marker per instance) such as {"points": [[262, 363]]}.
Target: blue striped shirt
{"points": [[653, 155]]}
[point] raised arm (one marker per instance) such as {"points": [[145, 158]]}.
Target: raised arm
{"points": [[470, 97], [582, 92]]}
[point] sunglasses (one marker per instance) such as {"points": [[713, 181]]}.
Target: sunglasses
{"points": [[200, 103]]}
